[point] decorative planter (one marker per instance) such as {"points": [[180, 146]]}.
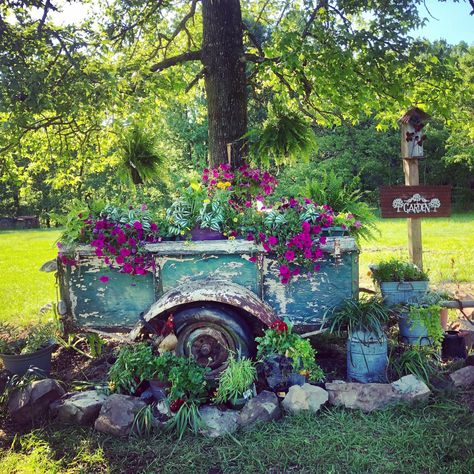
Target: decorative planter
{"points": [[413, 333], [454, 345], [19, 363], [206, 234], [367, 357], [402, 292]]}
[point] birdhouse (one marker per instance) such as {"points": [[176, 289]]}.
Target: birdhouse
{"points": [[412, 136]]}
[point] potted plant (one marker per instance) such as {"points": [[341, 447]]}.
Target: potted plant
{"points": [[363, 320], [420, 324], [287, 358], [32, 346], [400, 281], [236, 383]]}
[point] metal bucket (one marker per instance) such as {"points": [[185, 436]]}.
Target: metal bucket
{"points": [[395, 292], [415, 334], [366, 357]]}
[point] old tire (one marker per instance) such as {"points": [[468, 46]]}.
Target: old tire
{"points": [[209, 333]]}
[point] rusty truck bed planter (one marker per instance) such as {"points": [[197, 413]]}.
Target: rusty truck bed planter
{"points": [[219, 298]]}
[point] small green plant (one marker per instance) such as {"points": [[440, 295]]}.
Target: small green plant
{"points": [[95, 344], [19, 382], [186, 418], [281, 340], [428, 316], [365, 314], [29, 339], [398, 271], [235, 380], [143, 422], [422, 362]]}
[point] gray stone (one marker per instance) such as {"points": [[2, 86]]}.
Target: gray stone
{"points": [[376, 396], [33, 401], [463, 377], [80, 408], [410, 388], [264, 407], [366, 397], [307, 397], [117, 414], [217, 422]]}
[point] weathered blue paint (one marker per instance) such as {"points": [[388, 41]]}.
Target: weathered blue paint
{"points": [[401, 292], [115, 303], [413, 333], [175, 271], [184, 265], [367, 358]]}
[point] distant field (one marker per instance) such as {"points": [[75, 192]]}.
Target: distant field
{"points": [[448, 256]]}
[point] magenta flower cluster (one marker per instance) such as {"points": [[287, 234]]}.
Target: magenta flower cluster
{"points": [[120, 245], [296, 243], [247, 184]]}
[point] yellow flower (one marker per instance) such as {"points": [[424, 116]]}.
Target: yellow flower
{"points": [[182, 232], [227, 184], [220, 185], [235, 219], [196, 186], [206, 201], [231, 237]]}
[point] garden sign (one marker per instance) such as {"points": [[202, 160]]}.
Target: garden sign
{"points": [[413, 201]]}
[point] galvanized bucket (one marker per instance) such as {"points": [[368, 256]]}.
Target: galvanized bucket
{"points": [[415, 334], [367, 357], [402, 292]]}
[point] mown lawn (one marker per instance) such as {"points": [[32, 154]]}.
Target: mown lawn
{"points": [[434, 437], [448, 256]]}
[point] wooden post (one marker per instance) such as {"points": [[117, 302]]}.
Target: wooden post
{"points": [[411, 125], [415, 247]]}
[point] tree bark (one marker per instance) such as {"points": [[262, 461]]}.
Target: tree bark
{"points": [[225, 80]]}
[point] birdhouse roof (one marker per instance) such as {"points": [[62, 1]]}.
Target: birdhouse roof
{"points": [[414, 114]]}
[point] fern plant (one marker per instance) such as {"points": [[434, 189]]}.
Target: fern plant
{"points": [[286, 137], [140, 161]]}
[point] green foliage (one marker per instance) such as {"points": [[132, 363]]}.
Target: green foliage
{"points": [[18, 382], [289, 344], [143, 421], [186, 418], [422, 361], [29, 339], [397, 270], [235, 380], [137, 362], [285, 137], [331, 189], [428, 316], [140, 160], [95, 344], [365, 314]]}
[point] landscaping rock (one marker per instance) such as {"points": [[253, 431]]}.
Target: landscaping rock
{"points": [[117, 414], [34, 400], [362, 396], [307, 397], [264, 407], [217, 422], [410, 388], [81, 408], [463, 377]]}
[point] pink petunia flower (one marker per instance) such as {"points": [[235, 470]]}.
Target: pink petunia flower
{"points": [[104, 278]]}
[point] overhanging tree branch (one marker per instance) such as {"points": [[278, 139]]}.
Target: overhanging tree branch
{"points": [[179, 59]]}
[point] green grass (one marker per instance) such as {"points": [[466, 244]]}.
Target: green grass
{"points": [[448, 256], [435, 438], [23, 288]]}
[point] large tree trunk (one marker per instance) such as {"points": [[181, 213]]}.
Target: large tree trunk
{"points": [[222, 56]]}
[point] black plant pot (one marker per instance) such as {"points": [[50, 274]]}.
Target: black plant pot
{"points": [[454, 346], [19, 363]]}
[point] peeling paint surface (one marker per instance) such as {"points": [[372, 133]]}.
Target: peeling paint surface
{"points": [[218, 271]]}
